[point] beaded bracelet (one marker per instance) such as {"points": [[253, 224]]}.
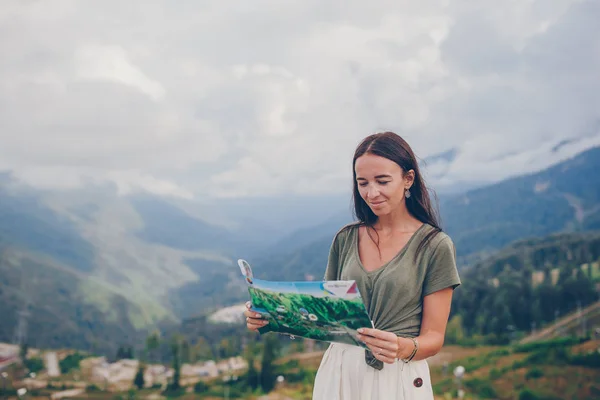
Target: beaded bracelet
{"points": [[415, 349]]}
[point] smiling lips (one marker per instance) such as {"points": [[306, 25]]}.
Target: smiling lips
{"points": [[377, 204]]}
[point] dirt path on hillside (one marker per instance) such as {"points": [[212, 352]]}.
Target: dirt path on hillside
{"points": [[561, 323]]}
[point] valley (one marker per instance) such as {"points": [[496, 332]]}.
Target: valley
{"points": [[125, 265]]}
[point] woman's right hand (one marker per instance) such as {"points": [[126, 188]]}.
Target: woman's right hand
{"points": [[253, 320]]}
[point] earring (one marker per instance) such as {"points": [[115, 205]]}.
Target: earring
{"points": [[407, 193]]}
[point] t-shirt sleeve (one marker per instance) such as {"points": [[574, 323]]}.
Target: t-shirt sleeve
{"points": [[441, 272], [332, 271]]}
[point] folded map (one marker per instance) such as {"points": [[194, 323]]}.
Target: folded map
{"points": [[329, 311]]}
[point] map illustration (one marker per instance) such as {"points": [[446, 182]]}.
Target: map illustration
{"points": [[329, 311]]}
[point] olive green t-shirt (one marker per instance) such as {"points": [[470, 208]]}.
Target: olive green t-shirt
{"points": [[393, 293]]}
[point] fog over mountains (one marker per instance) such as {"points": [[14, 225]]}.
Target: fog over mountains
{"points": [[96, 265]]}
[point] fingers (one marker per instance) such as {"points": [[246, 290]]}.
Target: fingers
{"points": [[254, 320], [252, 314], [370, 332], [376, 333], [386, 359], [383, 345], [379, 351], [390, 344], [254, 325], [383, 355]]}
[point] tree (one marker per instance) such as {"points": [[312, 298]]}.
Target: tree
{"points": [[267, 370], [226, 348], [547, 299], [501, 320], [585, 288], [201, 387], [252, 376], [139, 377], [152, 344], [454, 332], [70, 362], [186, 353], [175, 348], [120, 353], [23, 351], [125, 352], [202, 350]]}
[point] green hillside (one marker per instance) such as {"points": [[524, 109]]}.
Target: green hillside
{"points": [[525, 286], [582, 321], [138, 263], [61, 313], [88, 280], [566, 368]]}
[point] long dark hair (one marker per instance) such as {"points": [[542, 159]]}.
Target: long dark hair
{"points": [[394, 148]]}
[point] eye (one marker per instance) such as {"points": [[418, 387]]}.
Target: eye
{"points": [[384, 183], [362, 184]]}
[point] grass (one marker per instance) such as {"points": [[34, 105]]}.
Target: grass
{"points": [[541, 371], [559, 368]]}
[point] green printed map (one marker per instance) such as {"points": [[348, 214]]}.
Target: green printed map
{"points": [[328, 311]]}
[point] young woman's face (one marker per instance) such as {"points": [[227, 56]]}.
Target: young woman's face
{"points": [[381, 183]]}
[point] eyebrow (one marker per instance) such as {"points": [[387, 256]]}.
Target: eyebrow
{"points": [[377, 177]]}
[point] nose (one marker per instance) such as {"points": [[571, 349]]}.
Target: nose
{"points": [[372, 192]]}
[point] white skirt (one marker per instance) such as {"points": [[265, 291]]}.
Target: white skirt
{"points": [[344, 375]]}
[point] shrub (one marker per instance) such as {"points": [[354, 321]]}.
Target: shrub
{"points": [[171, 392], [534, 373], [590, 360], [70, 362], [527, 394], [93, 388], [499, 353], [300, 375], [8, 391], [555, 356], [548, 344], [34, 364], [482, 387], [234, 392], [201, 387], [293, 363], [495, 373]]}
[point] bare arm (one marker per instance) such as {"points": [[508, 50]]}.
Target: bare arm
{"points": [[436, 310]]}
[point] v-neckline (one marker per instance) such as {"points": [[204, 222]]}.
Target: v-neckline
{"points": [[384, 265]]}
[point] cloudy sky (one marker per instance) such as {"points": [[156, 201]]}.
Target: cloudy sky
{"points": [[239, 98]]}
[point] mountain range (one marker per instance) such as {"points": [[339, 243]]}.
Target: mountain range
{"points": [[101, 269], [562, 198]]}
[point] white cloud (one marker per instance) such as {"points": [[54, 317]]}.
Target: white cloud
{"points": [[124, 181], [237, 99], [110, 63]]}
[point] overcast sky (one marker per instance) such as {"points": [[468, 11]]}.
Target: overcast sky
{"points": [[238, 98]]}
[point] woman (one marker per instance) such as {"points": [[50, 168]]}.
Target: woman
{"points": [[405, 268]]}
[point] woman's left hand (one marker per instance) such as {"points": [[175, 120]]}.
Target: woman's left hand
{"points": [[385, 346]]}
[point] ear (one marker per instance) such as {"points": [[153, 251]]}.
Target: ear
{"points": [[409, 178]]}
